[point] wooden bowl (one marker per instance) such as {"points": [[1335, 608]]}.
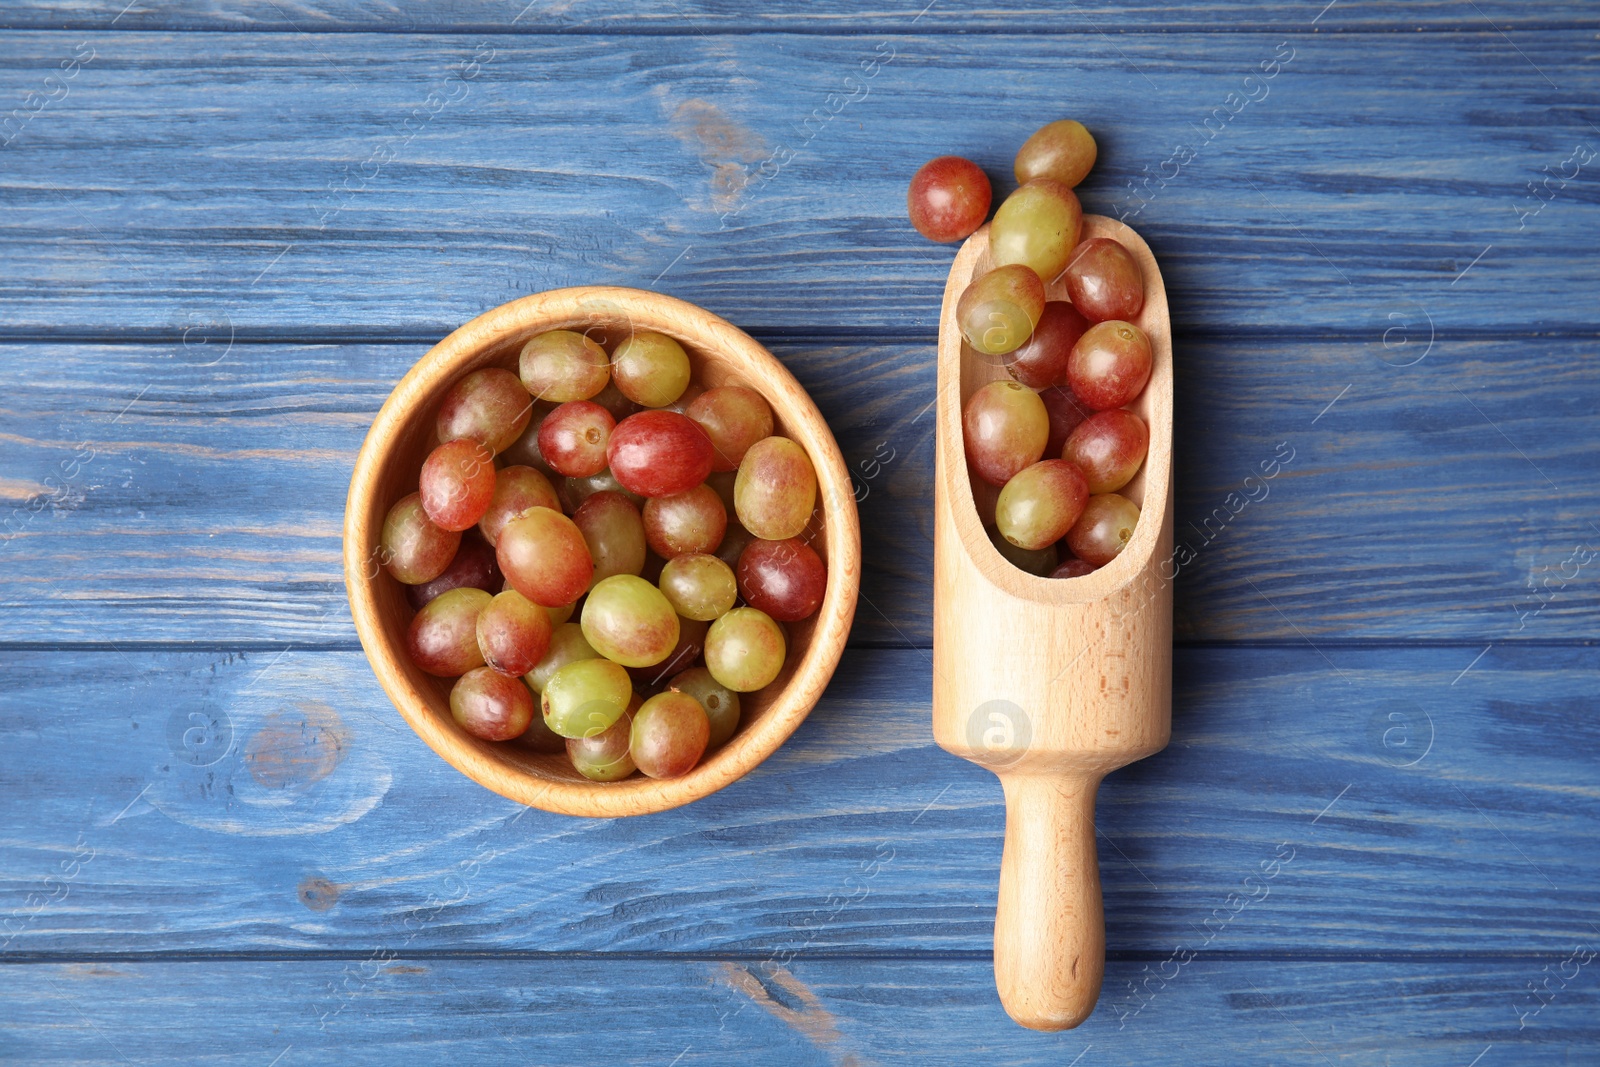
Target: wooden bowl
{"points": [[403, 434]]}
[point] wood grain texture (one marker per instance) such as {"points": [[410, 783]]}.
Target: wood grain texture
{"points": [[385, 1009], [289, 182], [821, 16], [278, 803], [209, 507]]}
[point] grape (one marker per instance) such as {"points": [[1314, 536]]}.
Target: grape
{"points": [[524, 451], [1065, 414], [721, 704], [490, 705], [557, 615], [722, 483], [457, 483], [651, 369], [1110, 364], [513, 633], [543, 555], [540, 738], [1040, 562], [699, 587], [489, 406], [785, 579], [1104, 281], [776, 489], [573, 437], [604, 757], [562, 365], [574, 491], [567, 645], [659, 453], [685, 523], [734, 418], [1039, 505], [411, 547], [692, 392], [1109, 448], [1063, 150], [612, 400], [745, 650], [443, 638], [733, 544], [669, 735], [948, 198], [628, 620], [1042, 362], [1006, 428], [1037, 227], [1104, 528], [584, 697], [998, 311], [474, 566], [691, 641], [614, 533], [1073, 567], [516, 489]]}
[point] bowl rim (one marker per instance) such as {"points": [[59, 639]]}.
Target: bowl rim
{"points": [[465, 348]]}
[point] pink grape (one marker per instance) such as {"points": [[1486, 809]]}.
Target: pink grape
{"points": [[686, 523], [489, 406], [474, 566], [1038, 506], [543, 555], [563, 365], [574, 491], [1109, 448], [491, 706], [734, 418], [948, 198], [1104, 529], [524, 451], [614, 533], [691, 642], [745, 650], [411, 547], [699, 586], [1065, 412], [1110, 364], [513, 633], [1104, 281], [604, 757], [457, 483], [1006, 428], [443, 637], [785, 579], [669, 735], [1062, 150], [776, 489], [999, 310], [1042, 362], [573, 438], [1073, 567], [628, 620], [516, 489], [659, 453]]}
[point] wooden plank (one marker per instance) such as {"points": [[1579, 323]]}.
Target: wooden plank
{"points": [[823, 16], [1376, 801], [351, 186], [209, 488], [812, 1011]]}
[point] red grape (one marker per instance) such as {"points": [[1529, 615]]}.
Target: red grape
{"points": [[659, 453], [691, 522], [1109, 448], [513, 633], [1065, 414], [670, 733], [745, 649], [1073, 568], [1037, 227], [948, 198], [734, 418], [1104, 281], [1006, 428], [1063, 150], [567, 645], [457, 483], [604, 757], [573, 438], [516, 489], [1039, 505], [412, 548], [785, 579], [776, 489], [629, 621], [490, 705], [651, 369], [614, 533], [489, 406], [1104, 529], [1110, 364], [474, 566], [612, 400], [543, 555], [997, 312], [563, 365], [443, 637], [1042, 362]]}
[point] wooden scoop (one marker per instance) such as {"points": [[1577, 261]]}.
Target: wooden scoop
{"points": [[1050, 683]]}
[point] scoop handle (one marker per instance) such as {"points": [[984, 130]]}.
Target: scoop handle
{"points": [[1049, 927]]}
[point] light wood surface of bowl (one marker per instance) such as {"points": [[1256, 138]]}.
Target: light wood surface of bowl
{"points": [[403, 434]]}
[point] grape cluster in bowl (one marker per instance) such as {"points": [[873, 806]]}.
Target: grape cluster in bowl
{"points": [[600, 536], [1056, 437]]}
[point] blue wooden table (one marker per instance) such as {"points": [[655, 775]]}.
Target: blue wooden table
{"points": [[228, 227]]}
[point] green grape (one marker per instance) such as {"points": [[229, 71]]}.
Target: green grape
{"points": [[1038, 506], [669, 735], [720, 703], [628, 620], [562, 365], [567, 645], [614, 533], [584, 697], [699, 586], [574, 491], [1040, 562], [776, 489], [651, 369], [998, 310], [491, 706], [1062, 150], [745, 650], [1038, 227], [560, 614]]}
